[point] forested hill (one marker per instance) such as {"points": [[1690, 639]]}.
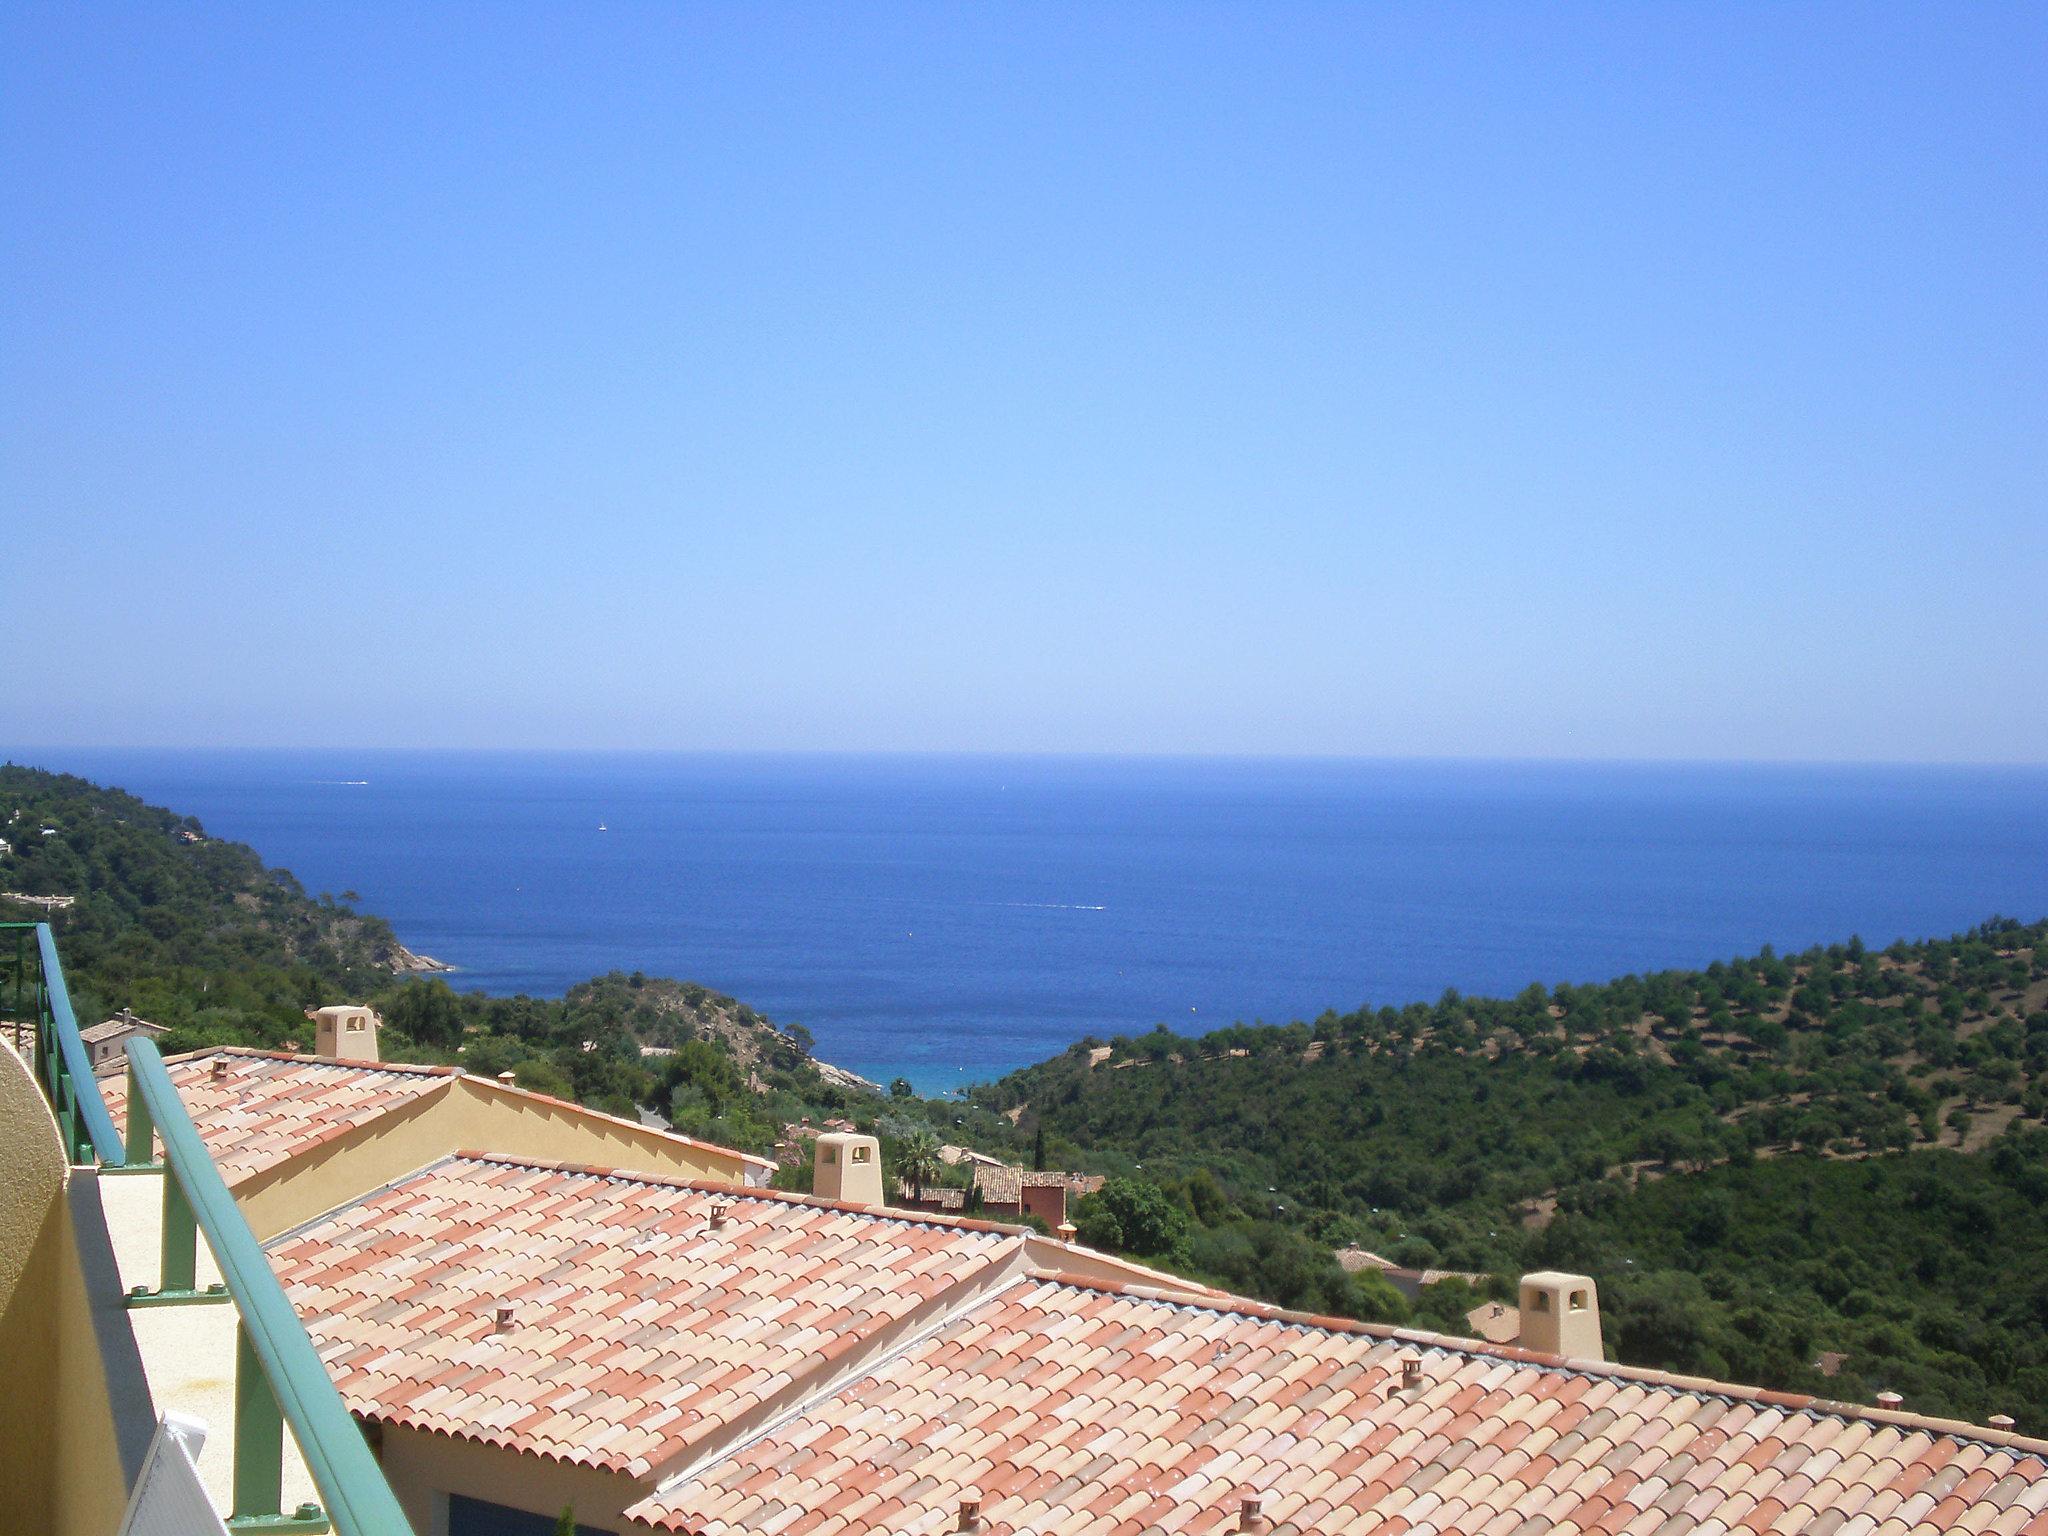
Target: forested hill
{"points": [[1833, 1152], [153, 899]]}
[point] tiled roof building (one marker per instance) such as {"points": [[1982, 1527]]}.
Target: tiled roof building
{"points": [[259, 1109], [642, 1315], [296, 1135], [754, 1364], [1062, 1408], [670, 1351]]}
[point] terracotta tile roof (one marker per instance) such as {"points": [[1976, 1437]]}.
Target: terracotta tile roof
{"points": [[639, 1329], [1068, 1408], [122, 1023], [1003, 1185], [272, 1105], [1495, 1321]]}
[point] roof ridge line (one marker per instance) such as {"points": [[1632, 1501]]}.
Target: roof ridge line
{"points": [[1699, 1386], [416, 1068], [368, 1194], [835, 1384], [749, 1192], [495, 1085]]}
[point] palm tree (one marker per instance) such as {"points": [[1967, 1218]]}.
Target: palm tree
{"points": [[919, 1159]]}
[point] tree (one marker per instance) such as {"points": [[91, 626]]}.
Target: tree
{"points": [[918, 1161], [565, 1523], [900, 1089], [1133, 1217]]}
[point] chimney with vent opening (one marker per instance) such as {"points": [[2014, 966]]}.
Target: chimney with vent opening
{"points": [[848, 1168], [1561, 1315]]}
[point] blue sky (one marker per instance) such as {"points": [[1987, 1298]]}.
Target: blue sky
{"points": [[1628, 381]]}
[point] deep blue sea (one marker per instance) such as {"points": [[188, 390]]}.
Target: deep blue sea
{"points": [[950, 918]]}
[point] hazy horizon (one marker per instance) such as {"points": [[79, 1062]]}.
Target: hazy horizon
{"points": [[25, 753]]}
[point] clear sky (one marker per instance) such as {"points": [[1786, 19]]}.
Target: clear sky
{"points": [[1621, 381]]}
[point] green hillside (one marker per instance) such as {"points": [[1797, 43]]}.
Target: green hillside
{"points": [[1839, 1151], [187, 930]]}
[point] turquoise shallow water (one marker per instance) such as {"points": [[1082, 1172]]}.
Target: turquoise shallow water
{"points": [[950, 918]]}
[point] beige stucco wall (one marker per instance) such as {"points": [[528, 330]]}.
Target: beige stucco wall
{"points": [[1049, 1256], [31, 1186], [424, 1468], [106, 1409], [75, 1411], [468, 1115]]}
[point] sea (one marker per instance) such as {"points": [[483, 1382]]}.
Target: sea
{"points": [[947, 919]]}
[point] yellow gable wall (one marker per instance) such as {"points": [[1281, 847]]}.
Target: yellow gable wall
{"points": [[465, 1115], [423, 1468]]}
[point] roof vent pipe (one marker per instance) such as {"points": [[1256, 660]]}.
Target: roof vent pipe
{"points": [[502, 1318], [720, 1209], [508, 1077], [2002, 1421], [970, 1515], [1251, 1512], [1890, 1400], [220, 1068], [1411, 1372]]}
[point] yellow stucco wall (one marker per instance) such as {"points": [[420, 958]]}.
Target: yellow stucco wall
{"points": [[75, 1411], [105, 1408], [423, 1469], [469, 1115], [31, 1189]]}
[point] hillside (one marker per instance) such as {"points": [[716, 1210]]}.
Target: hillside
{"points": [[189, 930], [1839, 1151]]}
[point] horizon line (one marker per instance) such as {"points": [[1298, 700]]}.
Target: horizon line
{"points": [[1006, 754]]}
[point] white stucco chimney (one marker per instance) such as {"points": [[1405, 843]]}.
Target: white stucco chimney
{"points": [[1561, 1315], [848, 1168], [345, 1032]]}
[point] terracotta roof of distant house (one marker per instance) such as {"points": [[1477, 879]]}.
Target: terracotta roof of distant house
{"points": [[1068, 1409], [1496, 1322], [935, 1197], [122, 1023], [639, 1328], [1004, 1185], [271, 1106]]}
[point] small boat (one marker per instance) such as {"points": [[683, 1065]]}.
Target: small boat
{"points": [[602, 827]]}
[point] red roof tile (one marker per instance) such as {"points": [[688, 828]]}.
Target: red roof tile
{"points": [[1072, 1408], [271, 1106], [638, 1328]]}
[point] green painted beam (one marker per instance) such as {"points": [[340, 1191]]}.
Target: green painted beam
{"points": [[139, 1137], [259, 1437], [91, 1127]]}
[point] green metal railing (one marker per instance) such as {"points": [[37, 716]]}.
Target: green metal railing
{"points": [[279, 1379], [62, 1065]]}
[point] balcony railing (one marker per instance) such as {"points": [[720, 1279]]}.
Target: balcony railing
{"points": [[278, 1377]]}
